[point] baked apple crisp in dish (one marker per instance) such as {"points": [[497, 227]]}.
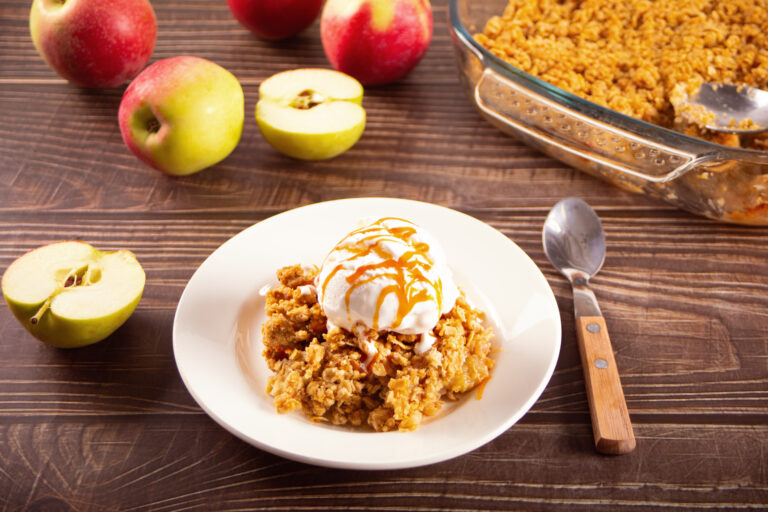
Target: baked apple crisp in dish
{"points": [[600, 85], [378, 336]]}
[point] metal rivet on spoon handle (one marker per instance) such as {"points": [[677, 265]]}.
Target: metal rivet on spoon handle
{"points": [[575, 244]]}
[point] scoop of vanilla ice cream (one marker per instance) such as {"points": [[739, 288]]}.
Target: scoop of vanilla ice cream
{"points": [[390, 275]]}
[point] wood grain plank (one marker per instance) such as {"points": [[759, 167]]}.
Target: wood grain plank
{"points": [[447, 163], [118, 467]]}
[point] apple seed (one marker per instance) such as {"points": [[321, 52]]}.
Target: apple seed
{"points": [[307, 99]]}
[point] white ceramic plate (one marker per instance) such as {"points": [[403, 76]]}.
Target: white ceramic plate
{"points": [[494, 272]]}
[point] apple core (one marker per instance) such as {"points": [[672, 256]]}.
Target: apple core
{"points": [[307, 99], [85, 275]]}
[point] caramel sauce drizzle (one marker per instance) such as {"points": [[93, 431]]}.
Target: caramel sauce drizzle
{"points": [[409, 291]]}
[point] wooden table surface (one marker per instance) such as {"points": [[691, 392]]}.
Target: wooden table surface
{"points": [[112, 427]]}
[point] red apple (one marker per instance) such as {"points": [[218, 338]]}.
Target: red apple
{"points": [[94, 43], [376, 41], [275, 19]]}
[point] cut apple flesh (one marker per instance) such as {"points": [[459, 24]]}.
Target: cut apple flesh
{"points": [[335, 86], [37, 275], [311, 114], [109, 283], [337, 116], [69, 294]]}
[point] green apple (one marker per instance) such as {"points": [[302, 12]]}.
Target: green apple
{"points": [[311, 114], [68, 294], [182, 114]]}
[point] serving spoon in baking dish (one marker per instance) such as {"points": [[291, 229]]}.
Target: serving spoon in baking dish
{"points": [[574, 242], [727, 108]]}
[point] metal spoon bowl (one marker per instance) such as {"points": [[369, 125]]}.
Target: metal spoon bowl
{"points": [[728, 108], [574, 242], [573, 238]]}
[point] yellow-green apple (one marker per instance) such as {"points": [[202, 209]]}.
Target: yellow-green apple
{"points": [[94, 43], [68, 294], [275, 19], [376, 41], [182, 114], [311, 114]]}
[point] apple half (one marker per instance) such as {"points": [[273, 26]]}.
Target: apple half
{"points": [[311, 114], [68, 294]]}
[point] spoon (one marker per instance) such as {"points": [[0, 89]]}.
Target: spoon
{"points": [[728, 108], [575, 244]]}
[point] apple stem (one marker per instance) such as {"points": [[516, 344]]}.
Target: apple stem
{"points": [[35, 319], [75, 277]]}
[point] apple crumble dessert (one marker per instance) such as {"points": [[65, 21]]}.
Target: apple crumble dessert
{"points": [[378, 336]]}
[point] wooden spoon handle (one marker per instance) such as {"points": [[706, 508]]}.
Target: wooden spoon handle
{"points": [[610, 418]]}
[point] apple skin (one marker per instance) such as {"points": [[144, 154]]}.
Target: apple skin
{"points": [[94, 43], [182, 114], [275, 19], [60, 330], [376, 41]]}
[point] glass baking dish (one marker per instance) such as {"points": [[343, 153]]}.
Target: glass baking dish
{"points": [[709, 179]]}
